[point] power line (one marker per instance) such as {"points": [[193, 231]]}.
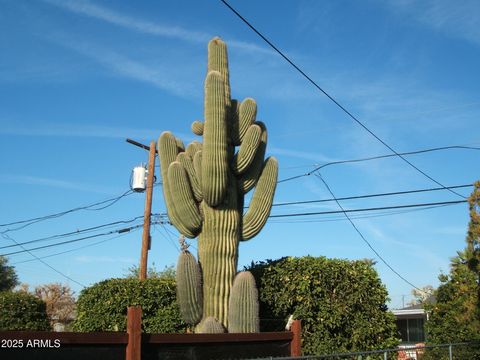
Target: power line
{"points": [[77, 232], [378, 157], [119, 231], [369, 209], [90, 207], [72, 250], [360, 216], [331, 97], [370, 195], [5, 236], [363, 237]]}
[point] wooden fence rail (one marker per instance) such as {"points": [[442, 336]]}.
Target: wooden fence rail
{"points": [[133, 345]]}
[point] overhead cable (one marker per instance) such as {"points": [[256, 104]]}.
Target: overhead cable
{"points": [[363, 237], [333, 100], [378, 157], [371, 195], [91, 207], [370, 209]]}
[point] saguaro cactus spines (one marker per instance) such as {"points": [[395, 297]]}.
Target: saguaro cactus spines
{"points": [[204, 187]]}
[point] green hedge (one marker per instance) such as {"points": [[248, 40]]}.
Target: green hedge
{"points": [[22, 311], [103, 306], [341, 303]]}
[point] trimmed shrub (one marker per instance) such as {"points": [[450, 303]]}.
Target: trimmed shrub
{"points": [[22, 311], [341, 303], [103, 306]]}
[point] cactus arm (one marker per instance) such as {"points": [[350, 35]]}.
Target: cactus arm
{"points": [[189, 290], [259, 210], [193, 147], [243, 309], [197, 165], [197, 127], [249, 178], [242, 117], [215, 146], [182, 196], [187, 164], [218, 61], [248, 149], [167, 150], [180, 145]]}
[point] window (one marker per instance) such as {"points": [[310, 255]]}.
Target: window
{"points": [[411, 330]]}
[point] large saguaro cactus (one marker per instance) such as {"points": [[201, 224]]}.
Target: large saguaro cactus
{"points": [[204, 187]]}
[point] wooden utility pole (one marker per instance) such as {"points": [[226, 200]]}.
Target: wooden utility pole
{"points": [[148, 212]]}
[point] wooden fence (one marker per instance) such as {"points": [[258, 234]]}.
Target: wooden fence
{"points": [[133, 345]]}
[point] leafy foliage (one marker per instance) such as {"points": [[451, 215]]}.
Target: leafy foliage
{"points": [[103, 306], [22, 311], [341, 303], [152, 272], [473, 234], [455, 315], [8, 277]]}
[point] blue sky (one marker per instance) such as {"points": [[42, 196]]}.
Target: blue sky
{"points": [[78, 77]]}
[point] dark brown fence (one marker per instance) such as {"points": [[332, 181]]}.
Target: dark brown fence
{"points": [[134, 345]]}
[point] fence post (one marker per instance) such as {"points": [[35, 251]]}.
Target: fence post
{"points": [[296, 344], [450, 351], [134, 331]]}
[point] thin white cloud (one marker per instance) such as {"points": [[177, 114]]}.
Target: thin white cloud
{"points": [[83, 130], [62, 184], [147, 27], [158, 75], [299, 154], [460, 19]]}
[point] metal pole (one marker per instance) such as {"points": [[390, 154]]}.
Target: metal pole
{"points": [[147, 213], [450, 352], [385, 355]]}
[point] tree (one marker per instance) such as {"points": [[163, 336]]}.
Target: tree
{"points": [[22, 311], [8, 277], [341, 303], [168, 272], [473, 234], [454, 316], [421, 296], [59, 300]]}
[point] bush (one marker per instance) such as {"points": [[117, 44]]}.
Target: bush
{"points": [[22, 311], [103, 306], [455, 316], [341, 303]]}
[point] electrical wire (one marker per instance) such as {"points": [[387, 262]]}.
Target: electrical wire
{"points": [[118, 231], [168, 237], [332, 99], [75, 249], [77, 232], [5, 236], [90, 207], [361, 216], [370, 195], [377, 157], [369, 209], [363, 237]]}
